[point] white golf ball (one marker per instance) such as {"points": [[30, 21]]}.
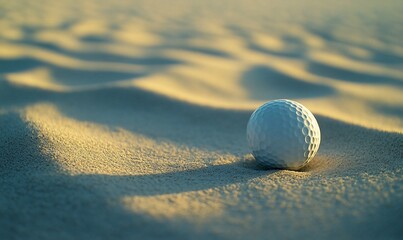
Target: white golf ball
{"points": [[283, 134]]}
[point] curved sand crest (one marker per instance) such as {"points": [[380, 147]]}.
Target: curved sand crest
{"points": [[170, 181], [109, 134]]}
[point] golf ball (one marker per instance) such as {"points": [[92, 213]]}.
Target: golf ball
{"points": [[283, 134]]}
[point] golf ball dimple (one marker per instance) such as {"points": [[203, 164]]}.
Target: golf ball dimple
{"points": [[283, 134]]}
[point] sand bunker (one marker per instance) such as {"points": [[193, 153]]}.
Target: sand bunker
{"points": [[127, 119]]}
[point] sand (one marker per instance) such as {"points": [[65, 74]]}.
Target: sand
{"points": [[127, 119]]}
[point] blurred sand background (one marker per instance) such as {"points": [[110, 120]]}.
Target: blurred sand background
{"points": [[126, 119]]}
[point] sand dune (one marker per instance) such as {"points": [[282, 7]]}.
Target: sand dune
{"points": [[127, 119]]}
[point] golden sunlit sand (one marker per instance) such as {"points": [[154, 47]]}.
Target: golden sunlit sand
{"points": [[127, 119]]}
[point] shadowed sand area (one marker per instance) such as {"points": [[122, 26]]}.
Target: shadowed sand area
{"points": [[127, 119]]}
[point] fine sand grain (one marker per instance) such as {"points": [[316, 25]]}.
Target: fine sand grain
{"points": [[127, 119]]}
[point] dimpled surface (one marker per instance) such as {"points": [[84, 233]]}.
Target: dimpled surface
{"points": [[283, 134]]}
